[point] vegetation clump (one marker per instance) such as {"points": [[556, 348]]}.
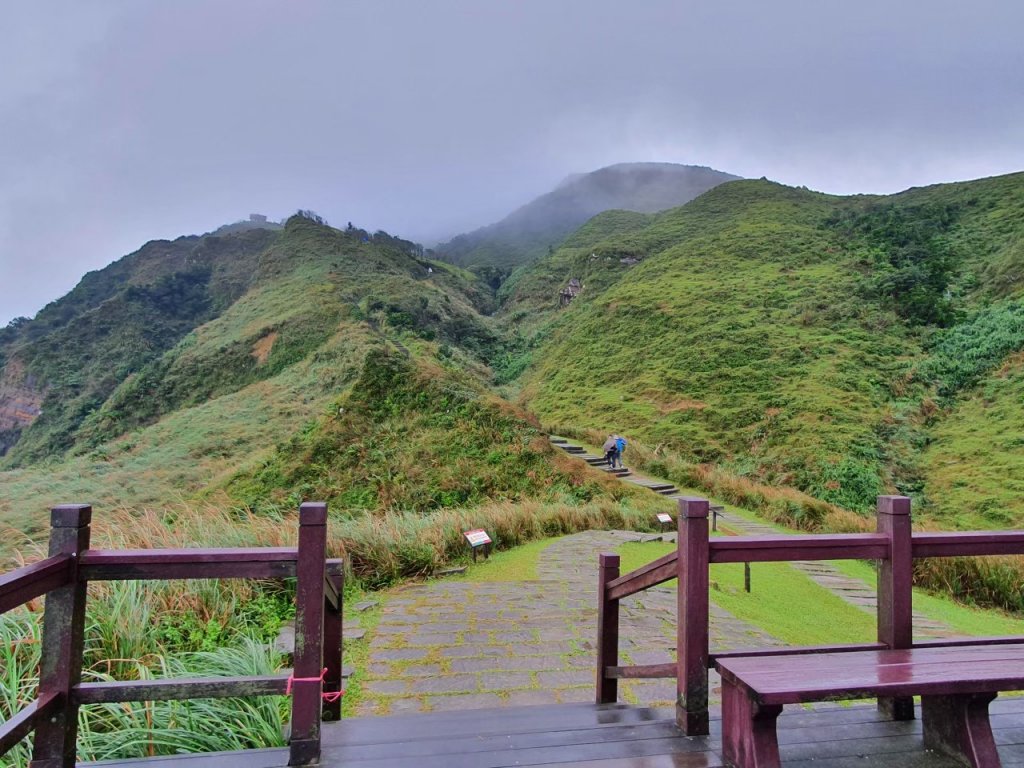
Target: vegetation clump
{"points": [[413, 437]]}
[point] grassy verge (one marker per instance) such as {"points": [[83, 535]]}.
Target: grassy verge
{"points": [[782, 602], [519, 564], [357, 652], [790, 606], [963, 618]]}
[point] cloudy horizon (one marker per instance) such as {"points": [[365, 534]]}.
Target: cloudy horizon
{"points": [[123, 122]]}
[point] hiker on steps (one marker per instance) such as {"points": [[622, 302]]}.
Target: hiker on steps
{"points": [[620, 446], [609, 449]]}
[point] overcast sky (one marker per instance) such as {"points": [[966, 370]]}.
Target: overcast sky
{"points": [[122, 122]]}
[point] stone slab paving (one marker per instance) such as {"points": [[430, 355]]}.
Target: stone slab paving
{"points": [[448, 645]]}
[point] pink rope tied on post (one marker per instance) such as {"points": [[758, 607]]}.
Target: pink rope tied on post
{"points": [[329, 696]]}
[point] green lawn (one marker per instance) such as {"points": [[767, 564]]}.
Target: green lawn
{"points": [[782, 601], [518, 564], [962, 618]]}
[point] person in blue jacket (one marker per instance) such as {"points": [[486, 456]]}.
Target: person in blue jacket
{"points": [[620, 446]]}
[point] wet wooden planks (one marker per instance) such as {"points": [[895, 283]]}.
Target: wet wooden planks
{"points": [[611, 736]]}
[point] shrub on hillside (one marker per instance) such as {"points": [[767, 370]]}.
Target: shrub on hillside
{"points": [[961, 355]]}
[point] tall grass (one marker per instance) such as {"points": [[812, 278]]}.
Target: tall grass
{"points": [[140, 630], [144, 729], [380, 549]]}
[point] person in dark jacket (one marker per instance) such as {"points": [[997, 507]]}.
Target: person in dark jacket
{"points": [[609, 449], [620, 446]]}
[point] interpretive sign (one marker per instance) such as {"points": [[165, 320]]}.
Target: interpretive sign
{"points": [[477, 538], [664, 517]]}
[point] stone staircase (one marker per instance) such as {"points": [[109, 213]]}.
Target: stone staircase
{"points": [[663, 489], [851, 590]]}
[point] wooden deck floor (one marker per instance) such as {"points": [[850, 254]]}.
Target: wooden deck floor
{"points": [[615, 736]]}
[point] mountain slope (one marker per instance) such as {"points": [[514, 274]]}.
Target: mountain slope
{"points": [[784, 335], [228, 410], [64, 363], [530, 231]]}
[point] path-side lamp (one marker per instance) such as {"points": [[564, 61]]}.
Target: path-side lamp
{"points": [[478, 540], [665, 519]]}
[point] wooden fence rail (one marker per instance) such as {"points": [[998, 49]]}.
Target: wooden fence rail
{"points": [[64, 575], [894, 546]]}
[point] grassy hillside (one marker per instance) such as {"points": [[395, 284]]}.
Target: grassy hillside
{"points": [[840, 346], [790, 337], [974, 464], [117, 320], [415, 436], [244, 408], [218, 314]]}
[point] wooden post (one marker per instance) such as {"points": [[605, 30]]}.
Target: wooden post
{"points": [[307, 688], [746, 578], [63, 637], [607, 630], [692, 619], [895, 600], [333, 646]]}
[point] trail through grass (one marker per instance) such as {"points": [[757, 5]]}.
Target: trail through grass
{"points": [[782, 601], [963, 618], [793, 608], [519, 564]]}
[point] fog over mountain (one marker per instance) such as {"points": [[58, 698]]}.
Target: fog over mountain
{"points": [[125, 122], [532, 229]]}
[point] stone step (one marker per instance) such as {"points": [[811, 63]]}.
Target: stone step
{"points": [[668, 491], [558, 440], [658, 487], [573, 449]]}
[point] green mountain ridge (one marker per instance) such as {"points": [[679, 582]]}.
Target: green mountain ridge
{"points": [[788, 336], [841, 346], [193, 413]]}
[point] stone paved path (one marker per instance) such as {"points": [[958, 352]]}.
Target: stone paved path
{"points": [[463, 645]]}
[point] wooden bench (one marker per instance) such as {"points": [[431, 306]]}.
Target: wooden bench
{"points": [[955, 684]]}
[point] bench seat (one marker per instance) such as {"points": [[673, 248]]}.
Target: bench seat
{"points": [[956, 685]]}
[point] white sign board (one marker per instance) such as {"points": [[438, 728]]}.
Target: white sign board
{"points": [[664, 518], [477, 538]]}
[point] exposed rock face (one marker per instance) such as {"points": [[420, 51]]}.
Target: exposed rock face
{"points": [[21, 399]]}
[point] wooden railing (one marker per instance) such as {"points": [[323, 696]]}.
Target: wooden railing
{"points": [[894, 546], [64, 575]]}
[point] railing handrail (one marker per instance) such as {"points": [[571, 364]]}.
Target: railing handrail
{"points": [[64, 575], [34, 580], [777, 548], [894, 545], [833, 546]]}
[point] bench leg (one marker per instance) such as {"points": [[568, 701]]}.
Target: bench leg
{"points": [[958, 726], [901, 708], [748, 730]]}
